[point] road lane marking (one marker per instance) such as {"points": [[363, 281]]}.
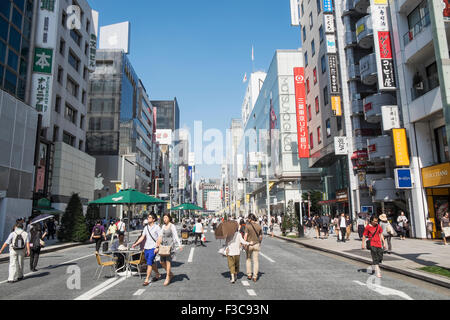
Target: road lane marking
{"points": [[251, 292], [98, 290], [266, 257], [139, 292], [246, 284], [383, 290], [191, 255], [52, 267]]}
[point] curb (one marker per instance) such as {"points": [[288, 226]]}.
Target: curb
{"points": [[421, 276]]}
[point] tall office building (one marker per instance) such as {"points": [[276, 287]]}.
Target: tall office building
{"points": [[63, 57], [326, 101], [18, 120]]}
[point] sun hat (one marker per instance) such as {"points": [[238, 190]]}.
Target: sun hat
{"points": [[383, 217]]}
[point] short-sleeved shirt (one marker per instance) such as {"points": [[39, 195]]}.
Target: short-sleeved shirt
{"points": [[445, 222], [198, 228], [254, 230], [12, 235], [102, 228], [151, 236], [369, 232]]}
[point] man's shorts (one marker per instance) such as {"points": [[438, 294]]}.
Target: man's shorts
{"points": [[149, 256]]}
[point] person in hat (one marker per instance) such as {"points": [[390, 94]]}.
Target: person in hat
{"points": [[388, 231]]}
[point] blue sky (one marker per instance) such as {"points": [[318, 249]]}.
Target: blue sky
{"points": [[199, 51]]}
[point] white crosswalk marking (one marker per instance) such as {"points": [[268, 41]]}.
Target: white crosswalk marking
{"points": [[266, 257], [246, 284], [108, 284], [191, 255], [251, 292], [139, 292], [383, 290]]}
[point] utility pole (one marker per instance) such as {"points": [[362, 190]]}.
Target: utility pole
{"points": [[267, 187]]}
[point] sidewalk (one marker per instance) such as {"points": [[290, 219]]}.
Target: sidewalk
{"points": [[55, 245], [407, 255]]}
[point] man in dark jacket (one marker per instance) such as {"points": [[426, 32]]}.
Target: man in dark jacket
{"points": [[325, 225]]}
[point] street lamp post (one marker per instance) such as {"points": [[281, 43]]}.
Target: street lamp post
{"points": [[122, 179]]}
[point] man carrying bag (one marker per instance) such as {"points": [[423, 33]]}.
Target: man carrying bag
{"points": [[253, 233]]}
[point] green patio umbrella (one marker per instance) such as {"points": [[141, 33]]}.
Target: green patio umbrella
{"points": [[188, 206], [127, 197]]}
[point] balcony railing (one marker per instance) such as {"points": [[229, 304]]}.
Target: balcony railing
{"points": [[416, 29], [433, 82]]}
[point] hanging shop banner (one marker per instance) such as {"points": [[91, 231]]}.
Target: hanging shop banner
{"points": [[403, 179], [340, 145], [391, 118], [328, 6], [93, 41], [328, 20], [400, 147], [41, 95], [383, 47], [295, 16], [334, 74], [336, 106], [331, 43], [302, 121]]}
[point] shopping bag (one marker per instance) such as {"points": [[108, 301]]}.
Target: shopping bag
{"points": [[203, 238]]}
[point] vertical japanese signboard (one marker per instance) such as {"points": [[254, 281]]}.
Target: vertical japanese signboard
{"points": [[45, 44], [300, 106], [383, 47], [400, 147]]}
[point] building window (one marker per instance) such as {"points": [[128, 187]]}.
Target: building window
{"points": [[319, 7], [304, 34], [68, 138], [88, 26], [317, 105], [80, 145], [339, 123], [76, 36], [313, 48], [58, 104], [60, 75], [62, 47], [432, 76], [321, 34], [74, 61], [328, 124], [311, 141], [323, 64], [55, 133], [70, 114], [319, 138], [306, 58], [307, 86], [442, 145], [311, 22], [64, 19], [325, 96], [72, 87], [315, 75], [309, 113], [83, 97], [81, 122], [86, 49]]}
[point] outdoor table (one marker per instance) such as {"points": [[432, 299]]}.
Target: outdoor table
{"points": [[126, 254]]}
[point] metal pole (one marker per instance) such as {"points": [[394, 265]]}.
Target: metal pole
{"points": [[122, 179], [267, 187]]}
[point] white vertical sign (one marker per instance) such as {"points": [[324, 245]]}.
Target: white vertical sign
{"points": [[391, 118], [295, 16], [331, 43], [341, 145]]}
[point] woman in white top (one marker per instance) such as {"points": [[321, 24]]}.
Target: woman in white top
{"points": [[401, 222], [233, 251], [169, 237], [199, 231]]}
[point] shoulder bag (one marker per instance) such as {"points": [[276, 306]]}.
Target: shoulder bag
{"points": [[368, 246], [260, 237], [164, 251]]}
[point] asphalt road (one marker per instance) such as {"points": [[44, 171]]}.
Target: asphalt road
{"points": [[287, 272]]}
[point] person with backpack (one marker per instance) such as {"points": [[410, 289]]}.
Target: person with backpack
{"points": [[253, 233], [36, 243], [19, 247], [97, 233]]}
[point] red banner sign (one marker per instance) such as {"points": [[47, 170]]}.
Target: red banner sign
{"points": [[300, 106]]}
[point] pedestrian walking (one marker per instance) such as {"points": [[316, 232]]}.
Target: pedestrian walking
{"points": [[152, 232], [51, 229], [272, 223], [265, 226], [242, 227], [376, 242], [233, 251], [445, 230], [36, 236], [342, 227], [388, 231], [361, 223], [19, 247], [348, 229], [317, 225], [430, 226], [168, 238], [111, 233], [98, 232], [402, 223], [253, 234], [121, 227], [325, 225], [199, 231]]}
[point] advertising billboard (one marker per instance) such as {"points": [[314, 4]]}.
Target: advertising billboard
{"points": [[115, 36], [300, 105], [400, 147]]}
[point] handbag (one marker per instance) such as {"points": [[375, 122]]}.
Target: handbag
{"points": [[223, 251], [446, 231], [42, 243], [164, 251]]}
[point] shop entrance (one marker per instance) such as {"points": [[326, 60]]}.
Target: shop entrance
{"points": [[438, 200]]}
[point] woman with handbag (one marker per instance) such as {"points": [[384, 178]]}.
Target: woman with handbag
{"points": [[36, 244], [402, 223], [375, 243], [167, 240], [445, 227], [388, 231]]}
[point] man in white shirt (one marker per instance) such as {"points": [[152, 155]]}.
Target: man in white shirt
{"points": [[151, 234], [199, 231], [121, 227], [343, 227], [17, 254]]}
